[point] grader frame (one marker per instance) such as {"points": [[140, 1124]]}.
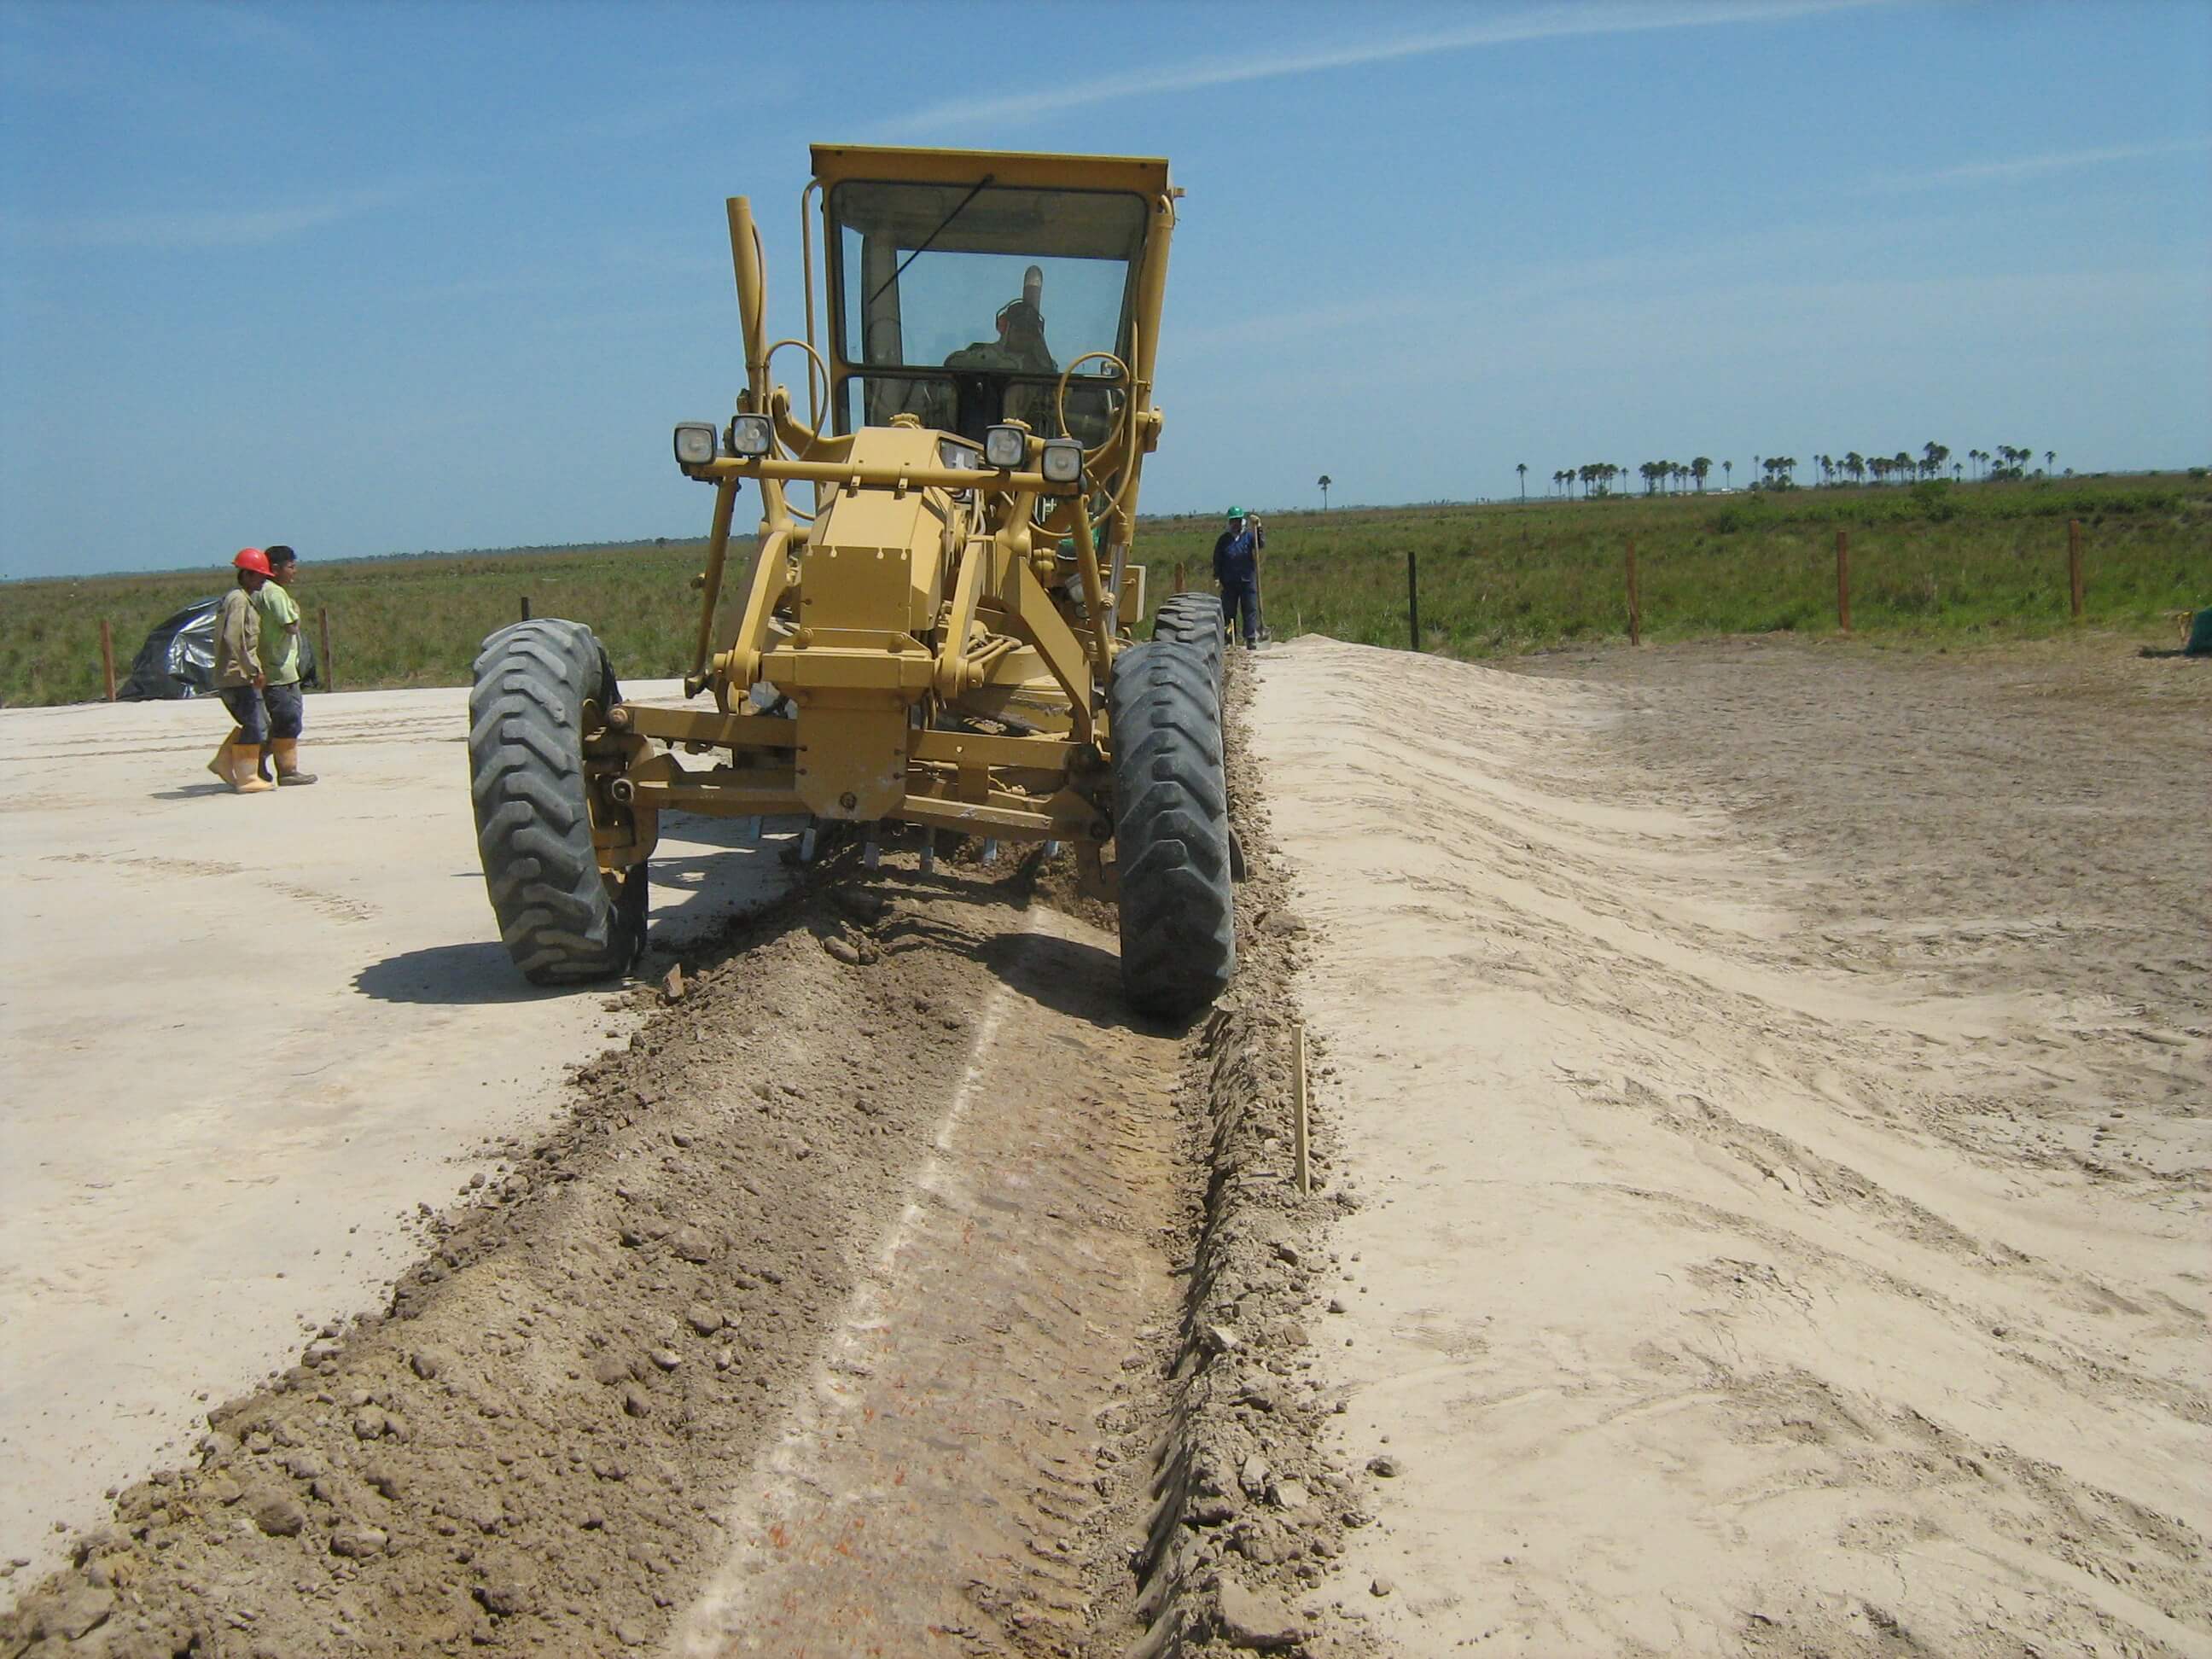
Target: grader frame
{"points": [[936, 644]]}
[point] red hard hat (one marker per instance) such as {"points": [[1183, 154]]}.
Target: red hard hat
{"points": [[251, 558]]}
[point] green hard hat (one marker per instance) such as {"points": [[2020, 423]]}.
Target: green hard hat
{"points": [[1236, 512]]}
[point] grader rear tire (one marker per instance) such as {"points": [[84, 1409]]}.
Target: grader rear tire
{"points": [[1194, 619], [1171, 830], [561, 919]]}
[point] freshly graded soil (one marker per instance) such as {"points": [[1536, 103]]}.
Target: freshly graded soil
{"points": [[535, 1446], [1776, 1077]]}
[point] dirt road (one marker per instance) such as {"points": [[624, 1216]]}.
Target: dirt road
{"points": [[1757, 1207]]}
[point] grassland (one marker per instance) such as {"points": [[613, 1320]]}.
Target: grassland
{"points": [[1927, 561], [1933, 562]]}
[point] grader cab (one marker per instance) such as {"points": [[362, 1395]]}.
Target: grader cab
{"points": [[940, 639]]}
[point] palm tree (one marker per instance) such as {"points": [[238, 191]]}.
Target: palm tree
{"points": [[1323, 482], [1699, 469], [2050, 460], [1521, 467], [1855, 464], [1728, 473]]}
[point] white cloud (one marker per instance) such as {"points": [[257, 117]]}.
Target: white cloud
{"points": [[235, 227], [203, 228], [1549, 22], [2030, 166]]}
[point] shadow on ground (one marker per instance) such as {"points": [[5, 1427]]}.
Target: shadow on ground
{"points": [[455, 976]]}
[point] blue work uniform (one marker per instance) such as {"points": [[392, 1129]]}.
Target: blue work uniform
{"points": [[1237, 568]]}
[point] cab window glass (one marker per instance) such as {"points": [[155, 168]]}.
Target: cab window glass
{"points": [[941, 281]]}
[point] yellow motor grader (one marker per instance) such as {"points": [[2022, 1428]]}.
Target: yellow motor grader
{"points": [[942, 640]]}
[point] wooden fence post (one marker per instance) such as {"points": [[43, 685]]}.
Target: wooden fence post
{"points": [[330, 674], [1635, 599], [1844, 580], [525, 607], [1182, 577], [1413, 598], [2074, 563], [107, 656]]}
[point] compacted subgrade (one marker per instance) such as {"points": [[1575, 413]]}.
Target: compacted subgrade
{"points": [[535, 1445], [1247, 1510]]}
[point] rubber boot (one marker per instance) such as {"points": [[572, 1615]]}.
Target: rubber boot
{"points": [[246, 777], [286, 751], [221, 764]]}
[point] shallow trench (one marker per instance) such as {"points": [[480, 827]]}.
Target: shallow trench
{"points": [[938, 1473], [830, 1322]]}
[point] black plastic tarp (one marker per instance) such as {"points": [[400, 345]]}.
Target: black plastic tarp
{"points": [[178, 659]]}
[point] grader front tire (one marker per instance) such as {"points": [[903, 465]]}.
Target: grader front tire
{"points": [[561, 919], [1171, 830]]}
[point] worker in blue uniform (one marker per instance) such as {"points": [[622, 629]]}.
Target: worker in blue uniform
{"points": [[1236, 569]]}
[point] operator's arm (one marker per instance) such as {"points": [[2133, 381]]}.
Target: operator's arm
{"points": [[1220, 547]]}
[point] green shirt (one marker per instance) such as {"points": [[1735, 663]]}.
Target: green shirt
{"points": [[280, 634]]}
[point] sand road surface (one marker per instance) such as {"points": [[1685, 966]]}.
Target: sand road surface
{"points": [[1795, 1251], [244, 1038], [1758, 1204]]}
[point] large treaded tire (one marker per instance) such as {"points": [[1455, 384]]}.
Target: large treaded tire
{"points": [[1194, 619], [560, 918], [1171, 830]]}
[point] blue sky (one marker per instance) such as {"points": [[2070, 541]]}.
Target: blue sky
{"points": [[379, 278]]}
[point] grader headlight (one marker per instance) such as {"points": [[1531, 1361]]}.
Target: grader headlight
{"points": [[695, 443], [752, 435], [1063, 460], [1005, 446]]}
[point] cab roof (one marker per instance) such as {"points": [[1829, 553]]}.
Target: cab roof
{"points": [[1147, 175]]}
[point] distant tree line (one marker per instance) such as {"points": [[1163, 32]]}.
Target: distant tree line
{"points": [[2007, 463]]}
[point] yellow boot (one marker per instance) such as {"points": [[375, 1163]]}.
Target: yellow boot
{"points": [[221, 764], [287, 752], [246, 777]]}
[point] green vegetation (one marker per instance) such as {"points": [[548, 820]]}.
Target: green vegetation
{"points": [[1933, 560], [396, 622]]}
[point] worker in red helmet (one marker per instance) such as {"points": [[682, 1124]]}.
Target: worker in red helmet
{"points": [[238, 677]]}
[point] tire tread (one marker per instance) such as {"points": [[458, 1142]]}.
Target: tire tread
{"points": [[555, 915]]}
